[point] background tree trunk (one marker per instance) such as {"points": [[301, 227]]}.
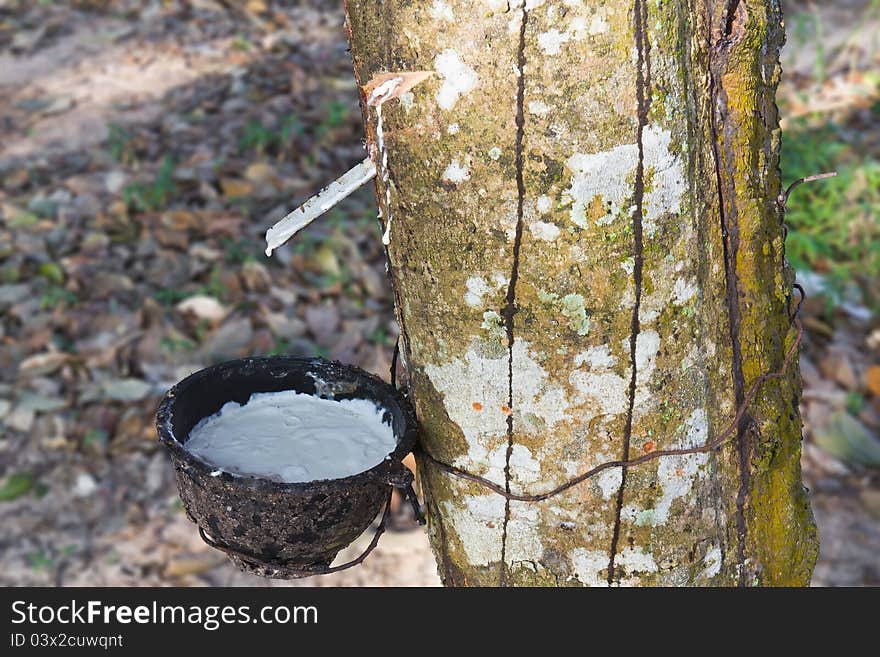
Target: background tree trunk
{"points": [[587, 258]]}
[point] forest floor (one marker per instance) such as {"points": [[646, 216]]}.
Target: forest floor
{"points": [[144, 149]]}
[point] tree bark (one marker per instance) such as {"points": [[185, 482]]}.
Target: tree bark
{"points": [[587, 257]]}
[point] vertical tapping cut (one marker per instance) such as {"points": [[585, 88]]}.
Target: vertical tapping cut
{"points": [[643, 98], [510, 307]]}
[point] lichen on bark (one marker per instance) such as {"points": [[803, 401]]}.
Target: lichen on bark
{"points": [[562, 206]]}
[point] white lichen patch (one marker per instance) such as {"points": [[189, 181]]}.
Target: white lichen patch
{"points": [[544, 204], [633, 560], [668, 286], [590, 566], [711, 562], [609, 481], [478, 287], [602, 174], [478, 523], [406, 100], [610, 175], [598, 25], [493, 323], [474, 390], [538, 107], [478, 520], [603, 393], [668, 182], [551, 41], [683, 291], [574, 310], [496, 5], [645, 518], [647, 344], [544, 230], [524, 468], [456, 172], [628, 512], [596, 358], [442, 12], [459, 79], [676, 474], [523, 533], [475, 394]]}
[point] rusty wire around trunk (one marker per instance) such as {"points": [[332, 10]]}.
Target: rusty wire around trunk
{"points": [[722, 438], [712, 445]]}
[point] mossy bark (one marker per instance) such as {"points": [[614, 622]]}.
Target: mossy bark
{"points": [[586, 253]]}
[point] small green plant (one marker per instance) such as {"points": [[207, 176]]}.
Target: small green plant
{"points": [[855, 402], [23, 220], [39, 561], [40, 490], [238, 252], [305, 243], [201, 329], [56, 296], [16, 484], [241, 43], [150, 197], [119, 143], [808, 29], [176, 344], [834, 224], [290, 127], [335, 114], [336, 219], [95, 438], [9, 274], [264, 139], [215, 287], [255, 137], [380, 336], [168, 296], [280, 348], [51, 272], [64, 343]]}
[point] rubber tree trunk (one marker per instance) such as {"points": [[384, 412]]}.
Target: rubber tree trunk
{"points": [[587, 257]]}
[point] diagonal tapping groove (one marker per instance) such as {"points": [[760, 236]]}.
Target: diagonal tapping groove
{"points": [[509, 309], [643, 98]]}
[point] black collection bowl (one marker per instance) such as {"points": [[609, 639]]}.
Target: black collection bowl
{"points": [[269, 527]]}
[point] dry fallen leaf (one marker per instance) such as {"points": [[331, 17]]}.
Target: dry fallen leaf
{"points": [[43, 364], [203, 307], [181, 566], [872, 380], [234, 188]]}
